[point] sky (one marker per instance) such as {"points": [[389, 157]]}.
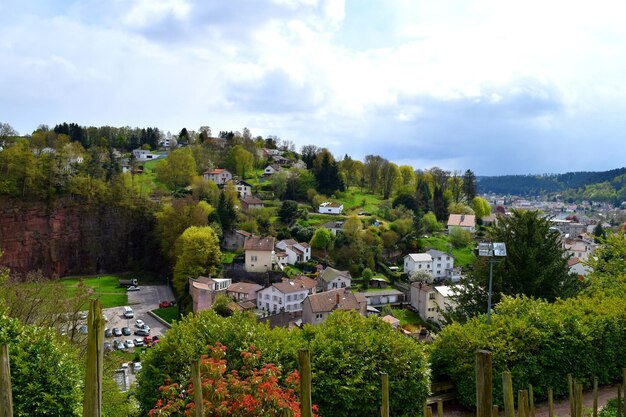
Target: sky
{"points": [[495, 86]]}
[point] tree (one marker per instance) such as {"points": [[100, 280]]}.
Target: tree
{"points": [[288, 211], [226, 211], [459, 208], [197, 253], [327, 173], [174, 219], [599, 232], [408, 175], [178, 169], [322, 239], [440, 204], [456, 187], [423, 195], [430, 223], [534, 266], [183, 136], [421, 275], [459, 237], [481, 207], [6, 131], [256, 389], [240, 161], [390, 178], [371, 171], [469, 185]]}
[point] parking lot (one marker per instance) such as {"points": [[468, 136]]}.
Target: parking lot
{"points": [[142, 301]]}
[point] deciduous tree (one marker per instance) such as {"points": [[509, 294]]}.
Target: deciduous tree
{"points": [[197, 253]]}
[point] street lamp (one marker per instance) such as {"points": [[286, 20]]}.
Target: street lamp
{"points": [[495, 251]]}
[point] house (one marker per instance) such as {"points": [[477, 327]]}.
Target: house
{"points": [[243, 291], [203, 291], [295, 252], [234, 239], [220, 176], [316, 307], [271, 170], [331, 279], [284, 296], [394, 322], [243, 188], [418, 262], [454, 274], [251, 202], [334, 226], [330, 208], [259, 254], [383, 297], [441, 263], [577, 266], [578, 249], [462, 221], [143, 155], [431, 301]]}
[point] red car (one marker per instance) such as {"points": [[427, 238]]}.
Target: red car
{"points": [[166, 304], [147, 340]]}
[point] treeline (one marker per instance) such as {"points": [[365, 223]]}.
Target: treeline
{"points": [[575, 185]]}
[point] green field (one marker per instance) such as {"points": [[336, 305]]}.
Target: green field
{"points": [[408, 317], [168, 314], [105, 288], [227, 257], [462, 256], [355, 201]]}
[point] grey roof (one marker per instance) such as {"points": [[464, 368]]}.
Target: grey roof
{"points": [[330, 274], [379, 293], [437, 253]]}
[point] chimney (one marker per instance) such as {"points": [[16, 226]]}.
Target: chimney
{"points": [[337, 299]]}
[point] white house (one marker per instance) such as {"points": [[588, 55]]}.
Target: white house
{"points": [[220, 176], [441, 263], [331, 279], [576, 266], [462, 221], [330, 208], [286, 295], [294, 252], [271, 170], [334, 226], [431, 301], [579, 249], [316, 307], [418, 262], [243, 188], [204, 290], [259, 254], [144, 155]]}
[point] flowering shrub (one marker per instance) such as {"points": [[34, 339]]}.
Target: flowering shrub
{"points": [[256, 389]]}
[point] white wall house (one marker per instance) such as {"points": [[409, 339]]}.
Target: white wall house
{"points": [[418, 262], [294, 252], [431, 301], [282, 296], [462, 221], [243, 189], [220, 176], [330, 208], [332, 279], [144, 155], [271, 169], [441, 262]]}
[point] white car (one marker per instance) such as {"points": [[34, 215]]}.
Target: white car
{"points": [[132, 288], [140, 323], [137, 366], [129, 344]]}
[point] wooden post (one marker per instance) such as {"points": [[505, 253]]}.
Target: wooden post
{"points": [[494, 411], [619, 400], [6, 396], [439, 408], [92, 400], [483, 383], [521, 410], [531, 400], [551, 403], [526, 407], [570, 385], [197, 388], [579, 400], [624, 385], [384, 410], [304, 359], [595, 396], [507, 391], [429, 411], [425, 409]]}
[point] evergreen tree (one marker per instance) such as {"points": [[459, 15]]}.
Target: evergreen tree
{"points": [[469, 185], [423, 196], [440, 205], [226, 212]]}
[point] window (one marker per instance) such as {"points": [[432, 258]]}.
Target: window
{"points": [[420, 266], [334, 285], [318, 316], [289, 298], [253, 258], [267, 296], [343, 285], [302, 296], [431, 296], [274, 298], [288, 307]]}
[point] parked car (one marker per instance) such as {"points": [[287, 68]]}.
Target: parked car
{"points": [[166, 304], [139, 341], [108, 333], [137, 366], [139, 323], [119, 345], [126, 331], [82, 315], [107, 345], [82, 329], [132, 288], [148, 340], [129, 343], [124, 365], [142, 332], [117, 332], [146, 327]]}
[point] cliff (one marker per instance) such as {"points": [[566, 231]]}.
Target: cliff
{"points": [[71, 237]]}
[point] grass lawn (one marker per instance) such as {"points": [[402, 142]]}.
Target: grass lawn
{"points": [[168, 314], [408, 317], [105, 288], [355, 201], [462, 256], [227, 257]]}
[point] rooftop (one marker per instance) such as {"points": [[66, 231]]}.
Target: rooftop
{"points": [[259, 243], [333, 300]]}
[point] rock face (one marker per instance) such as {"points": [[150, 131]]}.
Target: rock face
{"points": [[69, 238]]}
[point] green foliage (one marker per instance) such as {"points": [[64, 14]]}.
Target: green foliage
{"points": [[430, 223], [169, 314], [172, 220], [610, 409], [481, 207], [367, 274], [288, 211], [240, 161], [220, 306], [198, 253], [459, 237], [45, 373], [178, 169], [322, 239]]}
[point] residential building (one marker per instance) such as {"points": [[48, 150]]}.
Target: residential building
{"points": [[259, 254], [330, 207], [234, 239], [462, 221], [316, 307], [243, 188], [331, 279], [251, 203], [383, 297], [243, 291], [431, 301], [220, 176], [394, 322], [271, 170], [204, 290], [578, 249], [441, 263], [144, 155], [284, 296], [418, 262], [577, 266], [334, 226], [294, 252], [453, 275]]}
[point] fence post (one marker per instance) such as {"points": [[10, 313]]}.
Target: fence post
{"points": [[494, 411], [304, 359], [384, 410], [521, 409], [92, 400], [579, 400], [483, 383], [6, 396], [531, 400], [619, 400], [570, 385], [197, 388], [595, 396], [507, 391], [551, 403], [439, 408]]}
